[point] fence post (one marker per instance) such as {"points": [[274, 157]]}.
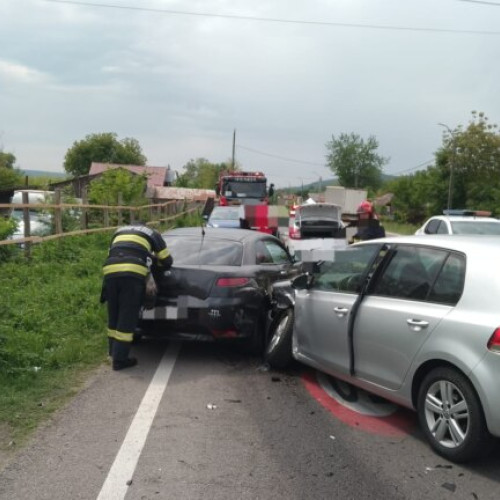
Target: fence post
{"points": [[105, 214], [58, 212], [84, 221], [27, 227], [120, 213]]}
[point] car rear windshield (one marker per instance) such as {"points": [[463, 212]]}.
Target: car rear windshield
{"points": [[232, 213], [475, 227], [196, 251]]}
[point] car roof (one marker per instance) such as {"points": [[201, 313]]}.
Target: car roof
{"points": [[234, 234], [468, 218], [459, 243]]}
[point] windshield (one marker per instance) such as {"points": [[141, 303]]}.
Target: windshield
{"points": [[246, 188], [198, 251], [225, 213], [475, 227]]}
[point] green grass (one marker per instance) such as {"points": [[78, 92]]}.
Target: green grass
{"points": [[398, 228], [52, 329]]}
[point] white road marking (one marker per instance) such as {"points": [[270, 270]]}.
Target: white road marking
{"points": [[120, 475]]}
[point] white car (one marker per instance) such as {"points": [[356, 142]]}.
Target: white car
{"points": [[461, 222], [315, 231], [40, 220]]}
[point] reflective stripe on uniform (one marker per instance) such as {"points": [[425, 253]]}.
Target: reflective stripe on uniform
{"points": [[163, 254], [111, 333], [124, 337], [125, 268], [133, 238]]}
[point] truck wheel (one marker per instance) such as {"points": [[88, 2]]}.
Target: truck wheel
{"points": [[451, 415], [278, 351]]}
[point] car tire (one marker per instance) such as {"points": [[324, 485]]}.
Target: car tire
{"points": [[278, 352], [451, 416]]}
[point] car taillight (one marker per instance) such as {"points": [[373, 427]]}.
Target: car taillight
{"points": [[232, 281], [494, 342], [294, 232]]}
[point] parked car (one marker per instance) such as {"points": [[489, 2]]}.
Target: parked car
{"points": [[413, 319], [461, 222], [315, 230], [40, 220], [227, 216], [218, 287]]}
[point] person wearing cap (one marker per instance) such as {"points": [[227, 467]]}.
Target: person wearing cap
{"points": [[369, 226], [125, 270]]}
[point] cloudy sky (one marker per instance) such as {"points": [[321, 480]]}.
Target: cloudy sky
{"points": [[181, 76]]}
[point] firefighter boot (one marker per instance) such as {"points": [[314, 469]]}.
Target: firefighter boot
{"points": [[120, 355]]}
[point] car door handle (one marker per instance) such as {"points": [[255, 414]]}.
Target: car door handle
{"points": [[417, 324], [341, 311]]}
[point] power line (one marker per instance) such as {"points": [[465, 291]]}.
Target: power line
{"points": [[420, 165], [280, 157], [482, 2], [279, 20]]}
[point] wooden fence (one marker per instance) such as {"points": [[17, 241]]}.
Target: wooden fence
{"points": [[110, 218]]}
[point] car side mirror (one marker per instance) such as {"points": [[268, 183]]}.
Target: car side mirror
{"points": [[303, 281]]}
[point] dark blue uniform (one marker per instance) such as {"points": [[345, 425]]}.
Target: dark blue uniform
{"points": [[125, 271]]}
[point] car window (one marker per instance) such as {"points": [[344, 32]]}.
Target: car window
{"points": [[475, 227], [432, 226], [188, 250], [345, 273], [442, 228], [421, 273], [449, 284], [270, 252], [226, 213]]}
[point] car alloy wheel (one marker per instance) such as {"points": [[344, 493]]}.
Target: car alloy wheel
{"points": [[447, 413], [451, 415]]}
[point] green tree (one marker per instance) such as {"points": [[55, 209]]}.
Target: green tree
{"points": [[116, 182], [10, 176], [417, 196], [355, 161], [469, 161], [201, 174], [103, 148]]}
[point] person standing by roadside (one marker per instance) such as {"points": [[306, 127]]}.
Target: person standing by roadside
{"points": [[125, 270], [369, 226]]}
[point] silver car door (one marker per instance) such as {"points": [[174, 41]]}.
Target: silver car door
{"points": [[398, 315], [322, 311]]}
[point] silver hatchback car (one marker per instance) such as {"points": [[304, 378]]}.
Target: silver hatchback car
{"points": [[414, 319]]}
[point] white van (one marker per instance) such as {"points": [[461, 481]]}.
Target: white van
{"points": [[40, 220]]}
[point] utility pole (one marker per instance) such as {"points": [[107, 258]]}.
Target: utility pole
{"points": [[234, 144], [451, 162]]}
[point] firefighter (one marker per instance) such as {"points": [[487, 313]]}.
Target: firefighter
{"points": [[130, 255], [369, 226]]}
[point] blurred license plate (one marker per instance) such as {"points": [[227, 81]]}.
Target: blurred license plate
{"points": [[161, 312]]}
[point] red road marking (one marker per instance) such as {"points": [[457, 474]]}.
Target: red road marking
{"points": [[399, 424]]}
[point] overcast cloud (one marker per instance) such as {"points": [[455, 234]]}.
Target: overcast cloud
{"points": [[180, 84]]}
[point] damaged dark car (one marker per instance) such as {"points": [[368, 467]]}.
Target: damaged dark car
{"points": [[218, 287]]}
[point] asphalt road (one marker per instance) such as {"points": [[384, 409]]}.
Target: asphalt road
{"points": [[197, 421]]}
